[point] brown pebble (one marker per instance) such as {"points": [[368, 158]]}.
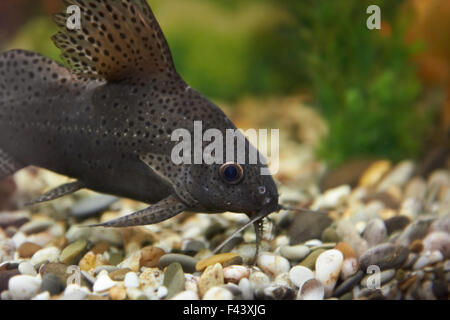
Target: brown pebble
{"points": [[346, 250], [119, 275], [5, 276], [416, 246], [405, 284], [27, 249], [91, 261], [92, 297], [222, 258], [211, 277], [117, 293], [100, 247], [150, 256], [400, 275]]}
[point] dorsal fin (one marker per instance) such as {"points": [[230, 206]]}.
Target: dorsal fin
{"points": [[118, 39]]}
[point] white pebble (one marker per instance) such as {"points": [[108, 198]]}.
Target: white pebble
{"points": [[132, 262], [299, 275], [246, 289], [50, 254], [134, 293], [42, 296], [259, 280], [24, 287], [235, 273], [311, 290], [72, 287], [438, 240], [19, 238], [273, 264], [218, 293], [281, 240], [295, 253], [162, 292], [131, 280], [150, 293], [186, 295], [349, 267], [282, 280], [191, 282], [246, 251], [447, 266], [332, 197], [313, 243], [5, 295], [103, 283], [193, 232], [360, 226], [328, 267], [428, 257], [398, 176], [27, 268]]}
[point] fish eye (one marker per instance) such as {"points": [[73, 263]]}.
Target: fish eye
{"points": [[231, 172]]}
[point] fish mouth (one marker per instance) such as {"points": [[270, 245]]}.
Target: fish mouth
{"points": [[255, 217]]}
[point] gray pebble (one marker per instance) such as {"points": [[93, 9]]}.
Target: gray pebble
{"points": [[52, 283], [385, 256], [213, 230], [233, 288], [234, 242], [440, 289], [409, 262], [276, 292], [348, 284], [375, 232], [390, 290], [384, 277], [107, 268], [35, 226], [416, 230], [13, 219], [308, 225], [187, 262], [174, 279], [88, 277], [91, 206], [396, 223], [5, 275], [191, 247]]}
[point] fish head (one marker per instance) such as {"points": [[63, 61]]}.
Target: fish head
{"points": [[234, 186]]}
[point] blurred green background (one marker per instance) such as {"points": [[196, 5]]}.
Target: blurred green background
{"points": [[382, 93]]}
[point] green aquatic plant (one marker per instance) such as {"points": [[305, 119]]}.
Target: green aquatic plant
{"points": [[362, 81]]}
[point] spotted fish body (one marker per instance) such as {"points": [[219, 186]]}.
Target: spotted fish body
{"points": [[107, 120]]}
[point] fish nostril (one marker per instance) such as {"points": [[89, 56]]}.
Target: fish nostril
{"points": [[262, 190], [267, 200]]}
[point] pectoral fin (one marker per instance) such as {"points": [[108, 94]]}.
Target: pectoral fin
{"points": [[163, 210], [58, 192], [174, 175]]}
